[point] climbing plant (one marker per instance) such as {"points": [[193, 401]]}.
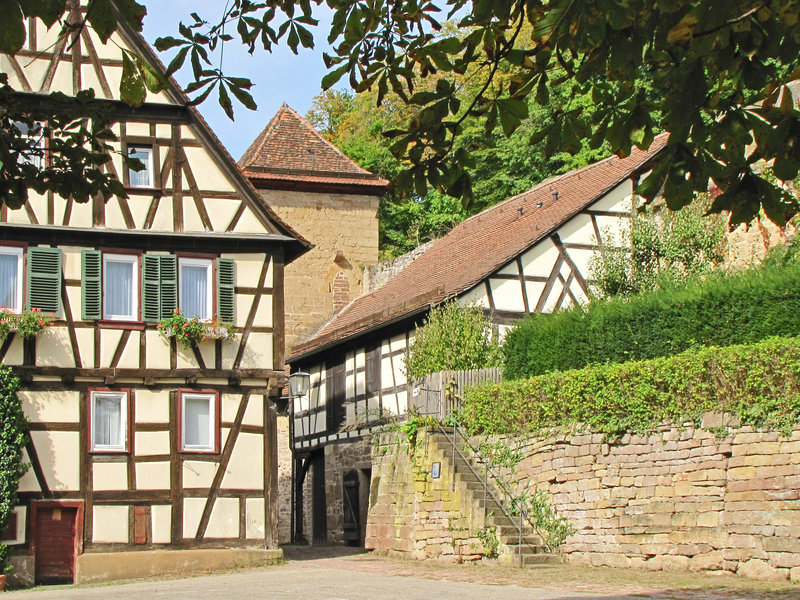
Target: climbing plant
{"points": [[13, 437]]}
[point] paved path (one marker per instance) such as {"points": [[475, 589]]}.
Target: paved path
{"points": [[341, 575]]}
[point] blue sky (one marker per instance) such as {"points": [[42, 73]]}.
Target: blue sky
{"points": [[277, 77]]}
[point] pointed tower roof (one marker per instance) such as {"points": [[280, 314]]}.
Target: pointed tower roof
{"points": [[291, 154]]}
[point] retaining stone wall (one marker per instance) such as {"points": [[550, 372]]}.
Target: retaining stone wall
{"points": [[676, 500]]}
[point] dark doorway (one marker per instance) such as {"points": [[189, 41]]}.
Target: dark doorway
{"points": [[55, 541], [351, 522], [365, 479], [319, 510]]}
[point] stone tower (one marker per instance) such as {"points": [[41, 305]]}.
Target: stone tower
{"points": [[329, 200]]}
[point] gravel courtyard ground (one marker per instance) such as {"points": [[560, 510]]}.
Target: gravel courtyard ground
{"points": [[340, 574]]}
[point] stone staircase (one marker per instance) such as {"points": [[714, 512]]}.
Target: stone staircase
{"points": [[513, 549]]}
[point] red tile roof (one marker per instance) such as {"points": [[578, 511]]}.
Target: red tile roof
{"points": [[478, 247], [290, 149]]}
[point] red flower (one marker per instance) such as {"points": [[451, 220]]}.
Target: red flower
{"points": [[41, 322]]}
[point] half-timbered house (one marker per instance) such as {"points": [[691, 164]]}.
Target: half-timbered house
{"points": [[139, 444], [528, 254]]}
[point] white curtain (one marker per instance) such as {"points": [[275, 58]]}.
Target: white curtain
{"points": [[197, 422], [8, 280], [141, 178], [119, 288], [107, 421], [194, 291]]}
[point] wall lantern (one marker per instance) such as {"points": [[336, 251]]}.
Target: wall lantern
{"points": [[298, 384]]}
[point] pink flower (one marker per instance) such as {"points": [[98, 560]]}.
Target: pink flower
{"points": [[185, 324], [177, 310], [41, 322]]}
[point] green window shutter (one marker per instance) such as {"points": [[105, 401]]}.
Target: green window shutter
{"points": [[226, 295], [91, 285], [44, 279], [168, 285], [151, 288]]}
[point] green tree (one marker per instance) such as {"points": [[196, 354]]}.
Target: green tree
{"points": [[453, 338], [723, 70], [662, 248]]}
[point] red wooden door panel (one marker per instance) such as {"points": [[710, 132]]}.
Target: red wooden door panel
{"points": [[55, 544]]}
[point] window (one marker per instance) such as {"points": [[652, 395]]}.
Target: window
{"points": [[32, 153], [109, 421], [120, 289], [199, 429], [11, 278], [194, 280], [143, 178]]}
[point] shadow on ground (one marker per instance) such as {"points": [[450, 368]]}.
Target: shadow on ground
{"points": [[292, 553]]}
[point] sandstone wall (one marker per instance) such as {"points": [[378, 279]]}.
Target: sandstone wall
{"points": [[344, 230], [413, 515], [339, 460], [284, 482], [679, 499], [377, 275]]}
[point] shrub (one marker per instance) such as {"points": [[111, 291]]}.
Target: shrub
{"points": [[453, 338], [722, 310], [760, 383], [13, 437]]}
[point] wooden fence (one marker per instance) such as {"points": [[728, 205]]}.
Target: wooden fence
{"points": [[439, 394]]}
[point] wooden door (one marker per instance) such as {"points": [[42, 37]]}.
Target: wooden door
{"points": [[56, 528], [351, 522]]}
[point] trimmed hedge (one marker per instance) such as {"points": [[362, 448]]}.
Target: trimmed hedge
{"points": [[750, 306], [760, 383]]}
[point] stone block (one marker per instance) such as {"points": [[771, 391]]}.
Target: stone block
{"points": [[760, 569], [710, 561]]}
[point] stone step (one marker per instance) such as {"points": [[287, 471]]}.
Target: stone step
{"points": [[536, 559]]}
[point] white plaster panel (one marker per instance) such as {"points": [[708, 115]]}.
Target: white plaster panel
{"points": [[148, 443], [90, 80], [187, 132], [161, 515], [208, 352], [163, 130], [254, 513], [110, 524], [248, 268], [59, 207], [617, 200], [230, 404], [205, 170], [59, 455], [109, 476], [14, 356], [130, 355], [258, 353], [613, 230], [81, 216], [246, 466], [263, 314], [249, 223], [221, 212], [114, 218], [192, 512], [552, 299], [254, 413], [152, 406], [198, 473], [157, 350], [582, 260], [109, 338], [163, 218], [475, 296], [578, 230], [191, 217], [534, 290], [186, 359], [507, 295], [53, 348], [38, 204], [133, 128], [565, 270], [539, 260], [139, 206], [71, 264], [224, 519], [51, 406], [28, 482], [578, 292], [17, 215], [229, 350], [152, 476], [85, 338]]}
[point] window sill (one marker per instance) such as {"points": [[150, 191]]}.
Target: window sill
{"points": [[103, 452], [111, 324], [211, 453]]}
